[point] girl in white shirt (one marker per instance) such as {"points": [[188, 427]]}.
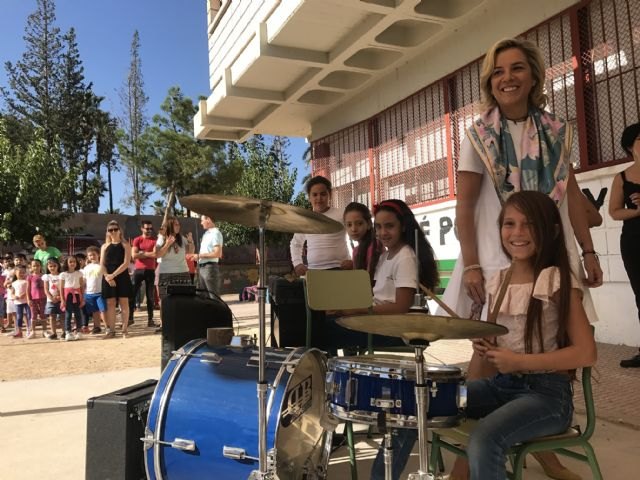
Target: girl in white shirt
{"points": [[72, 287]]}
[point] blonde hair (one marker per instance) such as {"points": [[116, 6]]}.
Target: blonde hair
{"points": [[537, 97]]}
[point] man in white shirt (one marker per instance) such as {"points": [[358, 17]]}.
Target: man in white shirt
{"points": [[209, 257]]}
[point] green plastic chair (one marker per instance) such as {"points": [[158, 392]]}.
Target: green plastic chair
{"points": [[560, 444], [338, 290]]}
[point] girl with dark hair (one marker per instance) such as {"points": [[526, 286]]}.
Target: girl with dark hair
{"points": [[359, 227], [395, 282], [549, 337]]}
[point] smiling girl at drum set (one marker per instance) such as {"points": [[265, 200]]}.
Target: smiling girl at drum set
{"points": [[530, 392], [394, 287]]}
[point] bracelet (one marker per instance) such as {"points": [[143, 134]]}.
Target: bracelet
{"points": [[587, 252], [475, 266]]}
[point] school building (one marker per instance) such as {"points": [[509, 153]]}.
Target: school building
{"points": [[384, 89]]}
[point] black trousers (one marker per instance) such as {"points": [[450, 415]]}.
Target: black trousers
{"points": [[630, 250], [149, 278]]}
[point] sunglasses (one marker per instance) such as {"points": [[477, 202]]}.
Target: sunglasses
{"points": [[111, 230], [147, 228]]}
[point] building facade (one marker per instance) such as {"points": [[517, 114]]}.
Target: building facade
{"points": [[384, 90]]}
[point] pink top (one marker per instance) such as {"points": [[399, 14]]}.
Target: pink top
{"points": [[36, 286]]}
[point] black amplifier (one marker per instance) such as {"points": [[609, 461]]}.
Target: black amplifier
{"points": [[115, 425], [288, 312]]}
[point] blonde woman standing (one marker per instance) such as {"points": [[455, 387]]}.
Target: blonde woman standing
{"points": [[115, 256]]}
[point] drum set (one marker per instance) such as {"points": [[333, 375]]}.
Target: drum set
{"points": [[203, 421]]}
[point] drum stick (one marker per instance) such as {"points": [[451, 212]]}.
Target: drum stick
{"points": [[493, 315], [433, 297]]}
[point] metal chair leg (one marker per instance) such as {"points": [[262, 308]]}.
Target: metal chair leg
{"points": [[352, 450]]}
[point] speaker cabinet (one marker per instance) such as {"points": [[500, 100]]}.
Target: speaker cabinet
{"points": [[186, 317], [115, 425]]}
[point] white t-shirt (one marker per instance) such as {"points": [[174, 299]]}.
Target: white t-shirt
{"points": [[72, 279], [92, 274], [397, 272], [19, 292], [172, 261], [54, 283], [324, 250]]}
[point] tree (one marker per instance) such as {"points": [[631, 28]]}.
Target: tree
{"points": [[106, 139], [48, 93], [32, 96], [132, 125], [178, 164], [266, 175], [79, 113], [28, 190]]}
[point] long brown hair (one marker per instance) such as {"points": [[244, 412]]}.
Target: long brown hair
{"points": [[169, 231], [368, 242], [551, 250]]}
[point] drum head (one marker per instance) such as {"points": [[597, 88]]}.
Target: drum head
{"points": [[300, 436]]}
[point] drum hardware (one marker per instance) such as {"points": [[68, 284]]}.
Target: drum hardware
{"points": [[242, 341], [178, 443], [219, 336], [418, 330], [206, 357], [237, 453], [263, 214]]}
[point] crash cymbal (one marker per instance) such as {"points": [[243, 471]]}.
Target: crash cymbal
{"points": [[420, 326], [252, 212]]}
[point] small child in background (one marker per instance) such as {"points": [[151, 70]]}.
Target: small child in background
{"points": [[52, 290], [9, 277], [94, 304], [19, 287], [3, 302], [37, 297], [82, 261], [72, 286]]}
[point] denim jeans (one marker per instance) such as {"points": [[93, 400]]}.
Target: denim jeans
{"points": [[72, 308], [23, 311], [209, 278], [402, 442], [513, 409]]}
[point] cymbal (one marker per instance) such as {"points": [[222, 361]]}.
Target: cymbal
{"points": [[420, 326], [252, 212]]}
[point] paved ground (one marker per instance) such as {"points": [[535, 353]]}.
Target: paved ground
{"points": [[43, 422]]}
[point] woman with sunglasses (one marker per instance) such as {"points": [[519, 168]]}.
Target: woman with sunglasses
{"points": [[115, 256]]}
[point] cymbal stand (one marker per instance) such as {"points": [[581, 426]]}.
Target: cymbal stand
{"points": [[418, 297], [422, 407], [262, 386]]}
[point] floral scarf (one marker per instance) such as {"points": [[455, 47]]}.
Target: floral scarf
{"points": [[545, 150]]}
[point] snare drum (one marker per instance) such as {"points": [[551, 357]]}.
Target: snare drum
{"points": [[203, 418], [361, 387]]}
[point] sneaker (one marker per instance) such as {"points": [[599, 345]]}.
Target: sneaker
{"points": [[125, 334], [68, 337], [109, 334], [10, 333], [96, 330], [17, 334], [31, 334], [85, 330], [77, 336], [158, 330], [633, 362], [52, 336], [151, 323]]}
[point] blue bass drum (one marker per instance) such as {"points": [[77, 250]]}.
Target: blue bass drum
{"points": [[203, 418]]}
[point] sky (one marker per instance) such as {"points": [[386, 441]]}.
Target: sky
{"points": [[173, 37]]}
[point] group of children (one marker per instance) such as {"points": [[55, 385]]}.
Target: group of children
{"points": [[32, 294]]}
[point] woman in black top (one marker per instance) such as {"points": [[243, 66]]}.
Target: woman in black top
{"points": [[115, 256], [624, 205]]}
